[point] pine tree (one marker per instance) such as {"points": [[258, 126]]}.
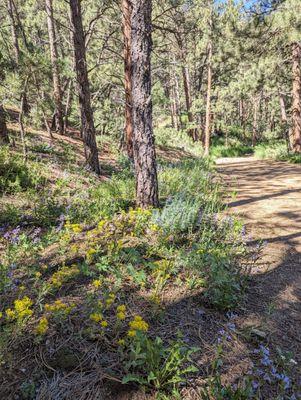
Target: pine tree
{"points": [[83, 87], [144, 149]]}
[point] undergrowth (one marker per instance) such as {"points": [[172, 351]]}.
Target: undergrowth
{"points": [[88, 279]]}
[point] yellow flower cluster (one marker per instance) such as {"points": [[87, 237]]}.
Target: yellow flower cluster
{"points": [[96, 317], [121, 312], [111, 299], [21, 309], [137, 324], [59, 306], [63, 275], [42, 326], [75, 228]]}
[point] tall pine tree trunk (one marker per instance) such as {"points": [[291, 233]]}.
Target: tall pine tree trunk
{"points": [[84, 95], [126, 23], [208, 102], [296, 107], [4, 139], [144, 148], [57, 89]]}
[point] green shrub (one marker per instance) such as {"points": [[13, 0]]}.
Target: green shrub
{"points": [[15, 174]]}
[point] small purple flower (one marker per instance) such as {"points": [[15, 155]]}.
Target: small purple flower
{"points": [[255, 385]]}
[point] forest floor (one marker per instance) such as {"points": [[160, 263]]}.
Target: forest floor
{"points": [[266, 195], [268, 198]]}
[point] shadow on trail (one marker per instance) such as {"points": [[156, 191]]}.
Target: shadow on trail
{"points": [[265, 197]]}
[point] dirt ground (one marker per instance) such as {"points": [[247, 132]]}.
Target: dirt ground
{"points": [[268, 198]]}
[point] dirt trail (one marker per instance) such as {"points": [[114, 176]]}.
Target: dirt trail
{"points": [[269, 200]]}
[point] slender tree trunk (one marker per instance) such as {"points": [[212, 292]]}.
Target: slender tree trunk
{"points": [[255, 122], [296, 107], [188, 99], [20, 119], [14, 30], [208, 102], [284, 122], [144, 148], [282, 108], [57, 89], [68, 105], [87, 121], [176, 92], [126, 23], [4, 138]]}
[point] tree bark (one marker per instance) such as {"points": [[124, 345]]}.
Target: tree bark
{"points": [[84, 95], [126, 24], [4, 138], [296, 106], [208, 102], [57, 89], [144, 148]]}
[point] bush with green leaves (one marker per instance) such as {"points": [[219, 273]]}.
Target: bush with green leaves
{"points": [[15, 174]]}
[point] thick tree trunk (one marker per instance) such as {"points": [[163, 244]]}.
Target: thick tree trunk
{"points": [[57, 89], [4, 139], [208, 102], [144, 148], [296, 107], [84, 95], [128, 128]]}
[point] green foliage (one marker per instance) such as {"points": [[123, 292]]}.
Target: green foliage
{"points": [[16, 175], [236, 150], [277, 151], [218, 391], [152, 364]]}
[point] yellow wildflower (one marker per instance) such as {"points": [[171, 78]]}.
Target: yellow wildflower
{"points": [[138, 324], [10, 314], [131, 333], [120, 315], [104, 324], [121, 342], [42, 326], [38, 274], [109, 302], [121, 308], [89, 255], [96, 283], [76, 228], [96, 317]]}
